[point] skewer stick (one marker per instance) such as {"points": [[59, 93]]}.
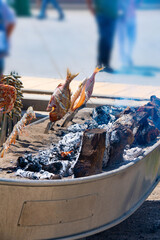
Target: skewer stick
{"points": [[3, 129], [71, 116], [49, 126]]}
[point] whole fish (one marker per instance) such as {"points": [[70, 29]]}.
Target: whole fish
{"points": [[60, 101], [8, 96], [84, 91]]}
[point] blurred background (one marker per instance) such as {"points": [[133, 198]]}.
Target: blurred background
{"points": [[68, 36]]}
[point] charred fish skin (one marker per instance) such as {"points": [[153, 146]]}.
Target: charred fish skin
{"points": [[8, 96], [60, 101]]}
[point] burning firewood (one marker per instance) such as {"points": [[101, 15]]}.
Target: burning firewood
{"points": [[91, 155]]}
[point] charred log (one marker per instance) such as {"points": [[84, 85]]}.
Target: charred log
{"points": [[146, 133], [91, 155], [119, 138]]}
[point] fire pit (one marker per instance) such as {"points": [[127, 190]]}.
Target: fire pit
{"points": [[71, 208]]}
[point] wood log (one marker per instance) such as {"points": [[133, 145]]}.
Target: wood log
{"points": [[119, 138], [130, 128], [91, 155]]}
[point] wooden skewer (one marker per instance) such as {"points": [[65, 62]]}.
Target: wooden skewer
{"points": [[49, 126], [71, 116]]}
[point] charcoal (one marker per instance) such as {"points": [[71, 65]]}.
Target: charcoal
{"points": [[34, 167], [53, 167], [146, 134], [22, 162], [101, 115], [29, 157]]}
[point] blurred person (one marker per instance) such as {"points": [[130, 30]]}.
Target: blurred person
{"points": [[106, 13], [38, 3], [55, 4], [7, 23], [126, 28]]}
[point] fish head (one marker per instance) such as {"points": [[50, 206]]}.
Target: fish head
{"points": [[53, 116]]}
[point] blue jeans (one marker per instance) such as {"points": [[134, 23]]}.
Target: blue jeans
{"points": [[1, 66], [55, 5], [106, 29], [126, 37]]}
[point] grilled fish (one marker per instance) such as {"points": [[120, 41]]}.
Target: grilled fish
{"points": [[8, 96], [60, 101]]}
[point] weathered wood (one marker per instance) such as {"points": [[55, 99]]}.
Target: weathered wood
{"points": [[3, 129], [119, 138], [92, 152], [132, 127]]}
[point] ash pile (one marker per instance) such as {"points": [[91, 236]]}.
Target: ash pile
{"points": [[114, 137]]}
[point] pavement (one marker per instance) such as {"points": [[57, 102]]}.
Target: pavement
{"points": [[42, 50]]}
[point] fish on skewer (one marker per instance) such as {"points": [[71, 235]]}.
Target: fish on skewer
{"points": [[8, 96], [18, 129], [60, 101], [85, 91], [81, 96]]}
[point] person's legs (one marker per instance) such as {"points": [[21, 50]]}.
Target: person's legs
{"points": [[106, 29], [131, 36], [121, 31], [58, 8], [101, 42], [43, 8], [109, 38]]}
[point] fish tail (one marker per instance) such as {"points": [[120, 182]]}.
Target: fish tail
{"points": [[98, 69], [70, 76]]}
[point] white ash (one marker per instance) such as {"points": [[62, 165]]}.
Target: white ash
{"points": [[34, 175], [107, 143], [132, 153], [90, 124], [70, 141], [106, 152]]}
